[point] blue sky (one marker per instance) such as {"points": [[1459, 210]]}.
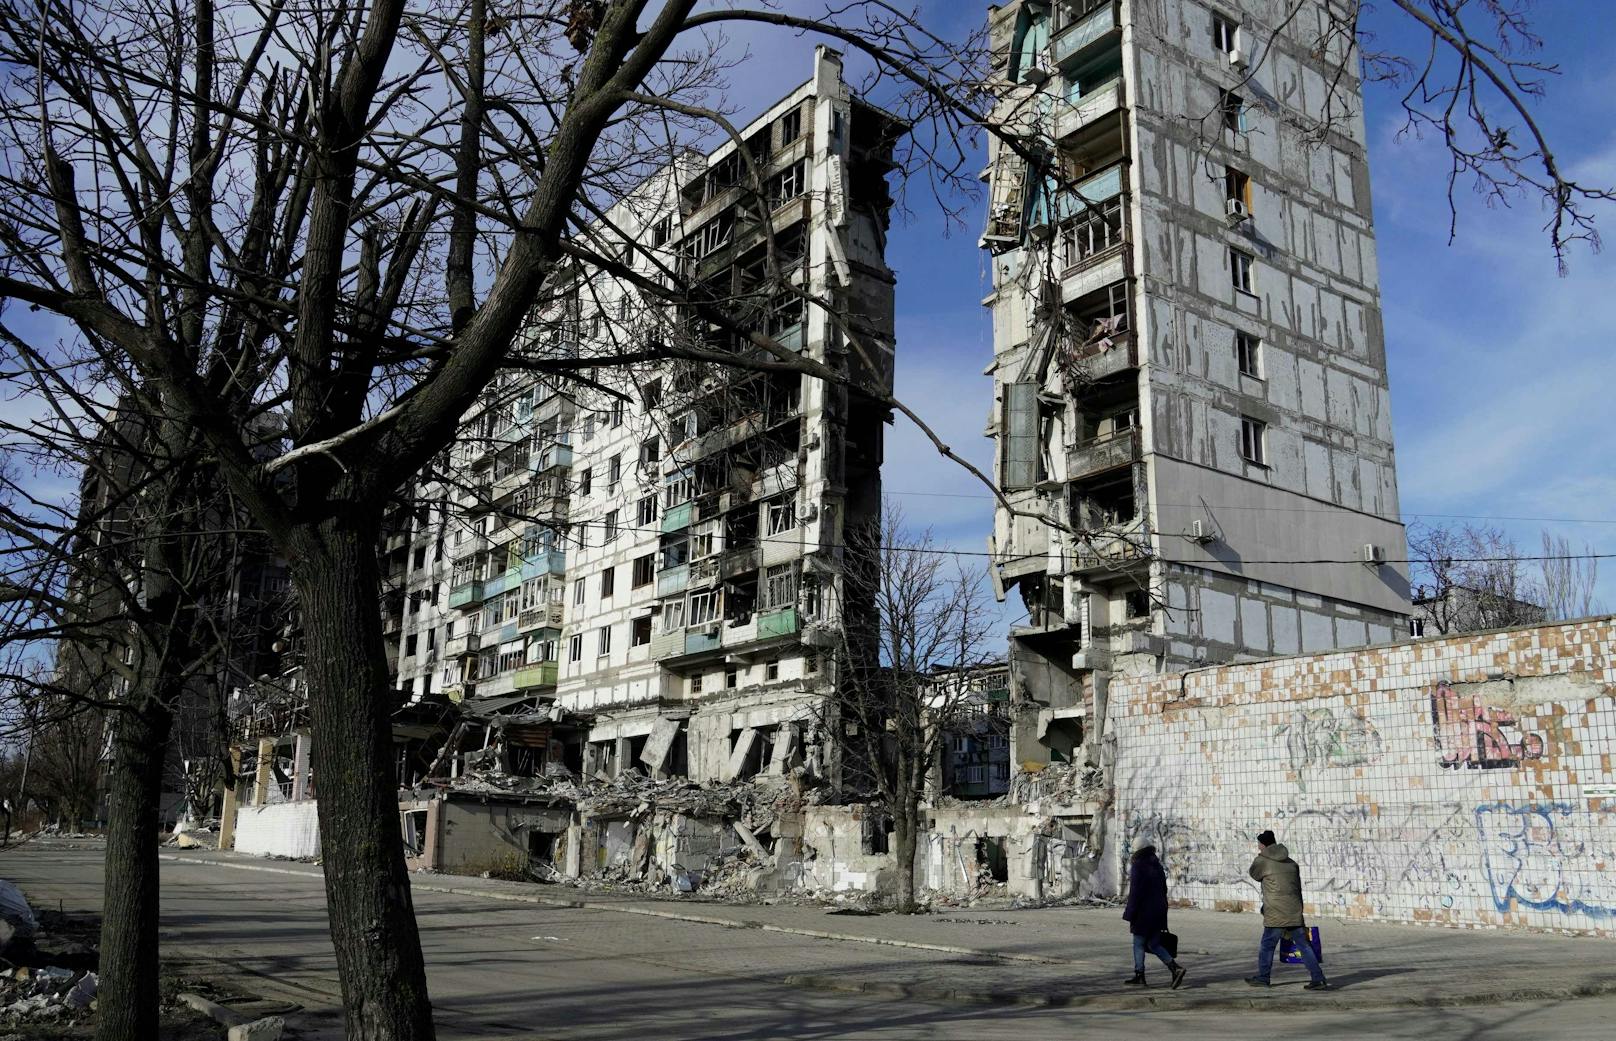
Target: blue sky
{"points": [[1501, 370]]}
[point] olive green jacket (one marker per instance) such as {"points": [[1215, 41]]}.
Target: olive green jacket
{"points": [[1281, 881]]}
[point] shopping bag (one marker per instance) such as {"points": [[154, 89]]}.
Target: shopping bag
{"points": [[1287, 946]]}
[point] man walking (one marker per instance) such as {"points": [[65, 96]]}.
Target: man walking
{"points": [[1281, 881]]}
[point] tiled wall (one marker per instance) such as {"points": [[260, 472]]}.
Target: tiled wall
{"points": [[1463, 781]]}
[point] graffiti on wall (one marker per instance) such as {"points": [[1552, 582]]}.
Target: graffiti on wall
{"points": [[1319, 738], [1472, 734], [1549, 857]]}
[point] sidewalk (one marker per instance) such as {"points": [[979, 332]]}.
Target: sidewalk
{"points": [[1078, 956]]}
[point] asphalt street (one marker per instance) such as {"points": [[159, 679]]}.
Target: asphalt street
{"points": [[516, 971]]}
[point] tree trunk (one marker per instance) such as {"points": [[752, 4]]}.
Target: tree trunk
{"points": [[128, 1000], [362, 846], [905, 825]]}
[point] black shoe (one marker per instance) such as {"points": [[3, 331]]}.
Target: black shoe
{"points": [[1136, 980], [1179, 972], [1317, 985], [1256, 981]]}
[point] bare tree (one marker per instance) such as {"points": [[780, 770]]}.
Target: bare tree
{"points": [[1469, 578], [123, 590], [905, 678], [343, 219], [1569, 578]]}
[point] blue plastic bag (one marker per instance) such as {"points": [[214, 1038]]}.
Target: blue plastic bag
{"points": [[1291, 956]]}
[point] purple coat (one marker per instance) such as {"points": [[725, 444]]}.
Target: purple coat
{"points": [[1146, 912]]}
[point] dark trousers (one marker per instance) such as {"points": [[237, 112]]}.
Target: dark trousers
{"points": [[1270, 942], [1153, 944]]}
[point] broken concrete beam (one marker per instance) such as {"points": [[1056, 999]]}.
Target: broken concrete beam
{"points": [[237, 1026], [751, 840]]}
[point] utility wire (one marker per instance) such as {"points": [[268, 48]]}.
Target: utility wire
{"points": [[939, 551]]}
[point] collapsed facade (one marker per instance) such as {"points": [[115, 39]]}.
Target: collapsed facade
{"points": [[1189, 375]]}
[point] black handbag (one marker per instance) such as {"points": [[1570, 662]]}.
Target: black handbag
{"points": [[1169, 942]]}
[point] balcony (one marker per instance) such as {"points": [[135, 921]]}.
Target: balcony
{"points": [[676, 518], [468, 595], [497, 585], [462, 645], [544, 616], [783, 622], [1115, 546], [673, 580], [555, 457], [1103, 453], [1116, 354], [469, 546], [545, 562], [537, 674], [1081, 28], [702, 640], [1073, 116], [739, 561]]}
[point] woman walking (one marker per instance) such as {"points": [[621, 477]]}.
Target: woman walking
{"points": [[1146, 914]]}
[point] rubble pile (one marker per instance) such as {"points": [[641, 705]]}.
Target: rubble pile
{"points": [[48, 994], [1061, 784]]}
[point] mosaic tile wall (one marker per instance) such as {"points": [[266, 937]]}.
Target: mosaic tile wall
{"points": [[1462, 781]]}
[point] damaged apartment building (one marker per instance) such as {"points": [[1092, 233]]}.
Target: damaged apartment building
{"points": [[639, 575], [1191, 403]]}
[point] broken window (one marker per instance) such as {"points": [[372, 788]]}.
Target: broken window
{"points": [[604, 641], [790, 126], [608, 582], [704, 608], [1241, 264], [650, 451], [1225, 34], [731, 677], [586, 479], [875, 834], [1248, 354], [1253, 434], [786, 185], [575, 647], [640, 631], [647, 512], [1097, 228], [675, 550], [611, 526], [1237, 193], [702, 540], [578, 593], [414, 822], [644, 570], [614, 472], [1233, 109], [771, 671], [782, 515], [780, 586]]}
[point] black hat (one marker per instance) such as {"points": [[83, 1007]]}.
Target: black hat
{"points": [[1267, 838]]}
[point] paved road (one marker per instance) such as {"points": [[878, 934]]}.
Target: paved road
{"points": [[504, 971]]}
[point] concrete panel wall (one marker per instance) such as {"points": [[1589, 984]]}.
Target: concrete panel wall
{"points": [[1462, 781], [287, 829]]}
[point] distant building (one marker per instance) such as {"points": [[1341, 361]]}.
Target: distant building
{"points": [[975, 753], [1464, 609]]}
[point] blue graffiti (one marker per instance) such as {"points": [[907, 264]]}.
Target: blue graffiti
{"points": [[1547, 857]]}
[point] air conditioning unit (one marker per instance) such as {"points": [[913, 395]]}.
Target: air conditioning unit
{"points": [[1373, 554], [1237, 58], [1040, 231], [1035, 74], [1201, 531], [1236, 211]]}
